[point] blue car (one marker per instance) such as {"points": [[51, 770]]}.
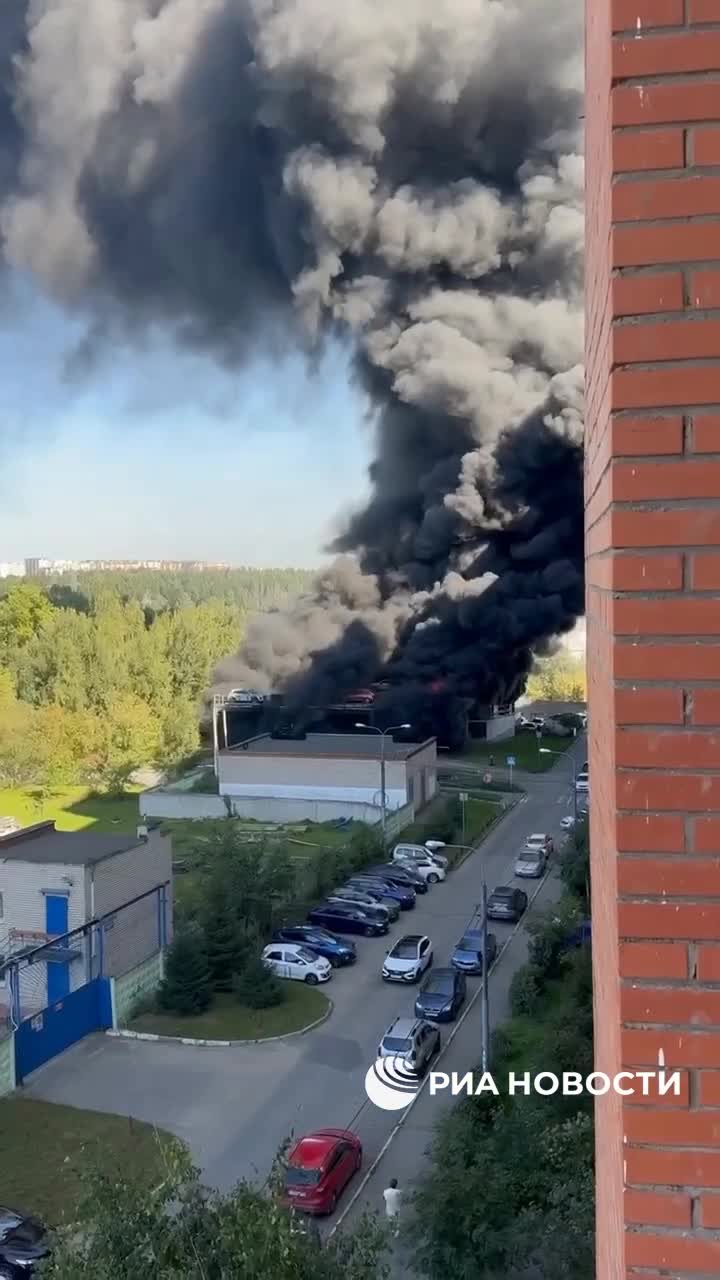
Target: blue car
{"points": [[321, 941], [404, 895], [468, 954]]}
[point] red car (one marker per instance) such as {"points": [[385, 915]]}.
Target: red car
{"points": [[319, 1168]]}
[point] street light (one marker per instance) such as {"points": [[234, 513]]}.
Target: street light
{"points": [[546, 751], [371, 728]]}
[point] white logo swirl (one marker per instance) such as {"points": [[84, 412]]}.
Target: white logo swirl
{"points": [[391, 1084]]}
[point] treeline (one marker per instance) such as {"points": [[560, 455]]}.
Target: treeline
{"points": [[94, 688], [156, 590], [561, 678], [510, 1191]]}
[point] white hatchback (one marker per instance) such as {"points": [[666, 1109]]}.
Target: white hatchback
{"points": [[291, 960], [408, 959]]}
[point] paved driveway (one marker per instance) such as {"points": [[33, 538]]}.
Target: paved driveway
{"points": [[235, 1106]]}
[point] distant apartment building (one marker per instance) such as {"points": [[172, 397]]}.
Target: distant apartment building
{"points": [[38, 567], [12, 569]]}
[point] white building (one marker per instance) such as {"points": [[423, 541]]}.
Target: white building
{"points": [[325, 776], [12, 569], [52, 882]]}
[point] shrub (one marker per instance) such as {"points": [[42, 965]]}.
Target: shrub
{"points": [[186, 988], [525, 991], [257, 987]]}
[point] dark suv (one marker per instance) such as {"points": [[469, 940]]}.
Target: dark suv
{"points": [[23, 1244]]}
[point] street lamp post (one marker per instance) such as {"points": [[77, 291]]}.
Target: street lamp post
{"points": [[371, 728], [545, 751]]}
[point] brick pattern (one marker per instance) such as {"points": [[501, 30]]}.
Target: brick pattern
{"points": [[653, 610]]}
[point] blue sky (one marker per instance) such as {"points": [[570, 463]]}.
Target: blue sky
{"points": [[161, 454]]}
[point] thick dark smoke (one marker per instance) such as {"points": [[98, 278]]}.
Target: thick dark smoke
{"points": [[254, 174]]}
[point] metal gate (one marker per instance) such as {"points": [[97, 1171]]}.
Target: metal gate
{"points": [[48, 1033]]}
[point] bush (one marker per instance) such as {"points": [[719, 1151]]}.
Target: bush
{"points": [[257, 987], [525, 991], [186, 988]]}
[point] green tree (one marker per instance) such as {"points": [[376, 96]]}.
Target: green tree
{"points": [[182, 1231], [561, 678], [128, 737], [228, 939], [23, 612], [257, 987], [186, 988]]}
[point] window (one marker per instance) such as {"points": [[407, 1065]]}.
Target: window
{"points": [[274, 955]]}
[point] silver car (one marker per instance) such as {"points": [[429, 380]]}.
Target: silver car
{"points": [[414, 1040], [530, 864]]}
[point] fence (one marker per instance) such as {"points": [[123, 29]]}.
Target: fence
{"points": [[7, 1064], [132, 990], [61, 989]]}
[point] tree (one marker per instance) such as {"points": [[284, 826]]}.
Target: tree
{"points": [[561, 678], [257, 987], [186, 988], [227, 936], [181, 1231], [129, 737]]}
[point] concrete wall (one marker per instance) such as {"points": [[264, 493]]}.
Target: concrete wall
{"points": [[7, 1065], [134, 933], [133, 989], [652, 538], [175, 804]]}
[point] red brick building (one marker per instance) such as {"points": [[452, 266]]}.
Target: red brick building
{"points": [[653, 608]]}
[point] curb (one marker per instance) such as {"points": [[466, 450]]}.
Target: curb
{"points": [[122, 1034], [445, 1046]]}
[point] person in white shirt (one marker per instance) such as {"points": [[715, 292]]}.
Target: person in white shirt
{"points": [[393, 1197]]}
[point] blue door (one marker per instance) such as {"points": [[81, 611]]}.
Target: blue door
{"points": [[56, 924]]}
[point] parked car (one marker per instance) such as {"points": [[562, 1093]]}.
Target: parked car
{"points": [[468, 954], [23, 1244], [582, 782], [507, 903], [567, 823], [408, 959], [245, 695], [441, 996], [421, 852], [319, 1168], [336, 950], [396, 874], [427, 867], [530, 864], [346, 894], [363, 697], [375, 910], [403, 895], [541, 841], [345, 918], [413, 1039], [292, 960]]}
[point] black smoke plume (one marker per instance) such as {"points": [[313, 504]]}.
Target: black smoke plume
{"points": [[250, 175]]}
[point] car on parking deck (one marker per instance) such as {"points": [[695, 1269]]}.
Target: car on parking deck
{"points": [[568, 822], [403, 894], [408, 959], [396, 874], [319, 1168], [345, 918], [507, 903], [413, 1039], [347, 894], [292, 960], [23, 1244], [337, 950], [530, 864], [441, 996], [375, 910], [468, 954]]}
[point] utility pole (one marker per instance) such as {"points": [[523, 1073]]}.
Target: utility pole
{"points": [[383, 818], [485, 983]]}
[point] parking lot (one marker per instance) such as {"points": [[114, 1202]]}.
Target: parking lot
{"points": [[236, 1106]]}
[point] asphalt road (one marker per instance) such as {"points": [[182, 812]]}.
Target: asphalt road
{"points": [[235, 1106]]}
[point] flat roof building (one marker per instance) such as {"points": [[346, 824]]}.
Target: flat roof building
{"points": [[326, 775]]}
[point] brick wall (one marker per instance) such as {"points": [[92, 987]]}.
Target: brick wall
{"points": [[653, 607]]}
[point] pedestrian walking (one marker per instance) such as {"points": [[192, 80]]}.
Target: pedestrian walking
{"points": [[393, 1198]]}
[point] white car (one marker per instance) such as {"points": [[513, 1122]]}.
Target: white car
{"points": [[421, 853], [540, 842], [567, 823], [430, 870], [408, 959], [291, 960]]}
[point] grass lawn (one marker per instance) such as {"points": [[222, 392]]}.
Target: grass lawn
{"points": [[478, 816], [71, 809], [228, 1020], [43, 1146], [524, 747]]}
